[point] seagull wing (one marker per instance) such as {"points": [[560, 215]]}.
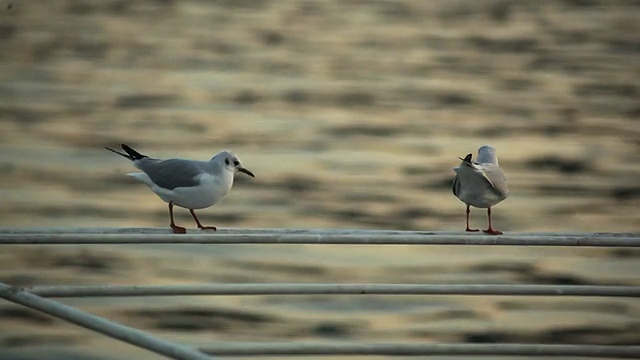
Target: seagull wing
{"points": [[496, 179], [172, 173]]}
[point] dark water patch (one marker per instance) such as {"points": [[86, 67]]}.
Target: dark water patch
{"points": [[89, 262], [108, 7], [514, 267], [24, 116], [120, 7], [7, 31], [559, 164], [416, 213], [286, 268], [600, 89], [146, 101], [581, 3], [554, 130], [217, 46], [624, 46], [415, 269], [354, 303], [363, 130], [271, 37], [21, 280], [556, 279], [624, 253], [64, 211], [501, 11], [447, 314], [488, 337], [396, 10], [516, 84], [506, 45], [604, 307], [199, 318], [282, 67], [353, 214], [602, 335], [369, 197], [50, 353], [632, 113], [298, 184], [82, 7], [333, 330], [521, 112], [569, 190], [436, 97], [37, 340], [444, 183], [355, 98], [90, 49], [453, 99], [625, 193], [243, 4], [562, 64], [25, 315], [189, 324], [296, 96], [246, 97], [571, 37], [417, 170], [360, 217]]}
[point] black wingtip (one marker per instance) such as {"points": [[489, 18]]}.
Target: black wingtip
{"points": [[119, 153], [467, 159], [132, 153]]}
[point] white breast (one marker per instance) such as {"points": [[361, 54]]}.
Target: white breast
{"points": [[209, 192]]}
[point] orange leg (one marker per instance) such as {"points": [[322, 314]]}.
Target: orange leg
{"points": [[199, 224], [468, 228], [176, 229], [491, 230]]}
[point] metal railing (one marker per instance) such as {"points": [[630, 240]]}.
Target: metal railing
{"points": [[35, 297]]}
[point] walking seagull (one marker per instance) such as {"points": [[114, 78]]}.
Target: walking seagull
{"points": [[189, 184], [480, 183]]}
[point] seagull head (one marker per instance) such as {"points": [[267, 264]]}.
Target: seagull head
{"points": [[487, 154], [230, 162]]}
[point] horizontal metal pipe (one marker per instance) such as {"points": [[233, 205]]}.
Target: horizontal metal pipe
{"points": [[328, 238], [333, 289], [413, 349]]}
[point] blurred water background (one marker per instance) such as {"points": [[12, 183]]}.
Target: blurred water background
{"points": [[351, 114]]}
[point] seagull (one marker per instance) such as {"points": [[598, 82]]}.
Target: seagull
{"points": [[480, 183], [189, 184]]}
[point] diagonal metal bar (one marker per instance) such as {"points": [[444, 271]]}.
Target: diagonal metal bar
{"points": [[117, 331], [334, 289]]}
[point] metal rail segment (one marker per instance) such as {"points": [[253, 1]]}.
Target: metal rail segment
{"points": [[333, 289], [35, 297]]}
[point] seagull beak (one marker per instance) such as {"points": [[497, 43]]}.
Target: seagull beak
{"points": [[246, 171]]}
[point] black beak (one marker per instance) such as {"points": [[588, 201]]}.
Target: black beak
{"points": [[246, 171]]}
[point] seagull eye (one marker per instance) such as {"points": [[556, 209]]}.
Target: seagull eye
{"points": [[226, 161], [236, 162]]}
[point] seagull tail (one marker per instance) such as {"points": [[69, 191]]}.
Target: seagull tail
{"points": [[130, 153]]}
